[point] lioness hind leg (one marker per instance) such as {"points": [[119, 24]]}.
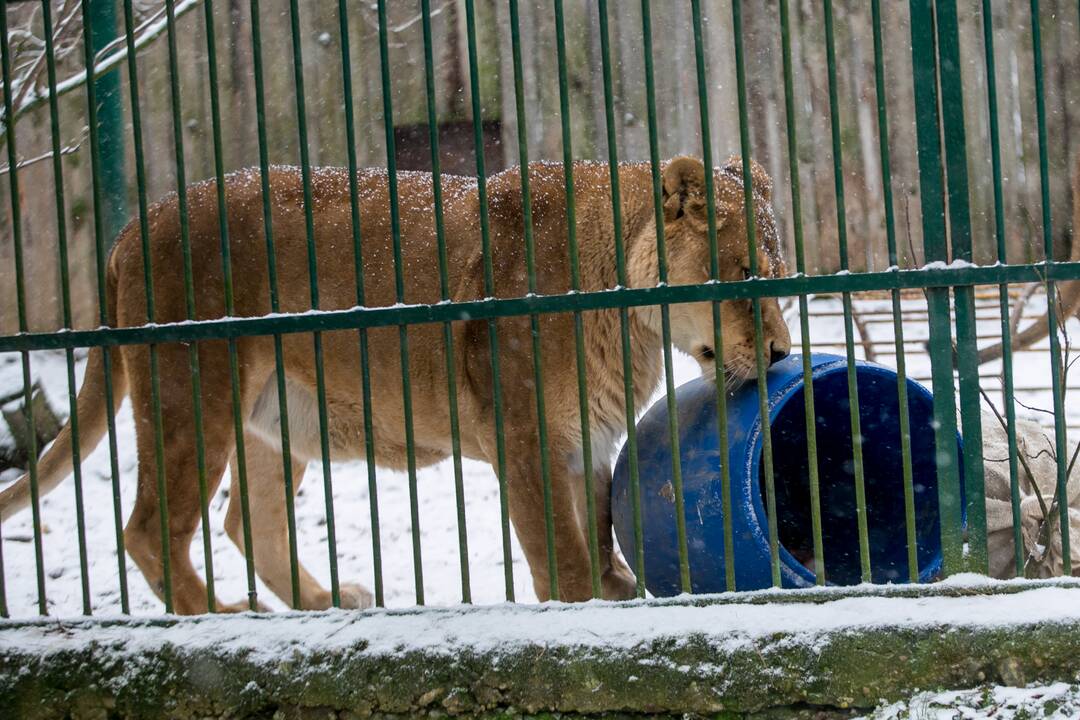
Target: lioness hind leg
{"points": [[143, 532], [270, 530]]}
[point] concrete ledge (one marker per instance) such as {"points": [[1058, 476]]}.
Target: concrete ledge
{"points": [[830, 649]]}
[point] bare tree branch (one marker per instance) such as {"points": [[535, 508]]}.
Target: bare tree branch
{"points": [[1019, 455], [30, 95], [864, 335], [66, 150]]}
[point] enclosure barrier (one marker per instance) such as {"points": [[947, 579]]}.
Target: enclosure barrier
{"points": [[949, 282]]}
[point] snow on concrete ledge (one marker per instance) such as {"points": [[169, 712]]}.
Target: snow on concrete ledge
{"points": [[833, 648]]}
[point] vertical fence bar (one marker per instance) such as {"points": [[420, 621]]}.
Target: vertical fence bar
{"points": [[103, 314], [938, 19], [575, 286], [931, 193], [3, 582], [1003, 289], [804, 310], [271, 260], [530, 269], [358, 272], [110, 113], [751, 239], [65, 298], [35, 494], [144, 238], [898, 323], [20, 298], [240, 456], [714, 276], [313, 280], [489, 288], [952, 117], [665, 311], [624, 316], [193, 350], [399, 284], [849, 333], [1056, 369], [444, 294]]}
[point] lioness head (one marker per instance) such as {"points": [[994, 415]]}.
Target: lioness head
{"points": [[688, 251]]}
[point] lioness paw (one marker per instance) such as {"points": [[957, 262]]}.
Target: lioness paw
{"points": [[356, 597]]}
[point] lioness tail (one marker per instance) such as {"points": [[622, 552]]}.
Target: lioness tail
{"points": [[56, 464]]}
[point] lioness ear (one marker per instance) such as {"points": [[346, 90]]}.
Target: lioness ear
{"points": [[759, 179], [684, 178]]}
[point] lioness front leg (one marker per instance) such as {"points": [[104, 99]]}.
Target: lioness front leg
{"points": [[525, 487]]}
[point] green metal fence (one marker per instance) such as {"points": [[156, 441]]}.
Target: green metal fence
{"points": [[948, 281]]}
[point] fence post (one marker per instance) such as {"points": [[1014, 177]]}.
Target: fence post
{"points": [[110, 122], [931, 193], [952, 106]]}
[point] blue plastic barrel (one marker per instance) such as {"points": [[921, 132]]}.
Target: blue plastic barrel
{"points": [[699, 450]]}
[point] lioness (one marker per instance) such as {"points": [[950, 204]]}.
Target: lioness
{"points": [[684, 207]]}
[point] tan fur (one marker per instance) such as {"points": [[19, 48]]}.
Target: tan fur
{"points": [[692, 331]]}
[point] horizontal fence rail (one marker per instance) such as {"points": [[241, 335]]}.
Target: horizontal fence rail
{"points": [[493, 325], [371, 317]]}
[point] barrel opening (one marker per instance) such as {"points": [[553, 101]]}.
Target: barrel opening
{"points": [[883, 477]]}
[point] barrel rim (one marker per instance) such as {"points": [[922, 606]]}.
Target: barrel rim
{"points": [[822, 365]]}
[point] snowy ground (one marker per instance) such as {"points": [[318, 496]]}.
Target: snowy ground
{"points": [[438, 520], [442, 584], [1052, 702]]}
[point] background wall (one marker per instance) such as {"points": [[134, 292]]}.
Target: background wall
{"points": [[676, 85]]}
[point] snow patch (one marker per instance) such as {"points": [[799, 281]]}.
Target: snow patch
{"points": [[595, 625], [1057, 701]]}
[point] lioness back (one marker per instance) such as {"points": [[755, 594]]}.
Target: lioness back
{"points": [[333, 244]]}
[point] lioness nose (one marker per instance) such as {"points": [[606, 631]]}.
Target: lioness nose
{"points": [[777, 352]]}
